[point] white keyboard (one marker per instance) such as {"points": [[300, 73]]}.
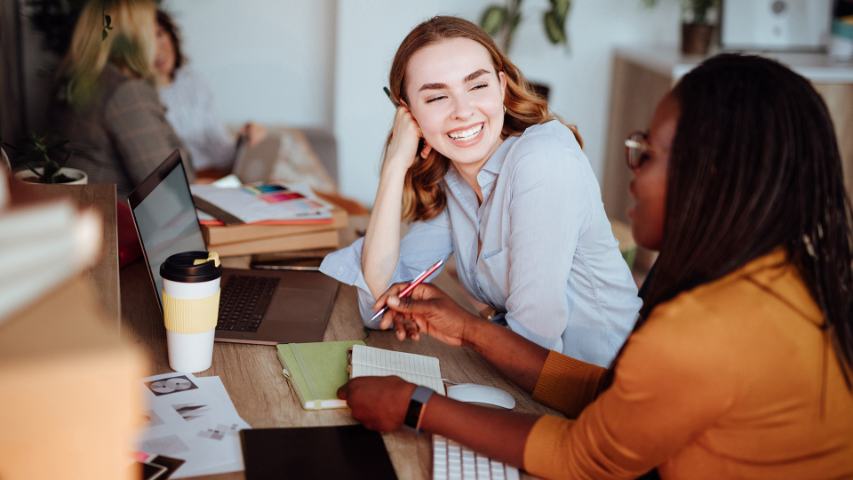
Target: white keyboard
{"points": [[452, 461]]}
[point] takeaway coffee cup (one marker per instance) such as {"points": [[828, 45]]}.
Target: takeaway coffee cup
{"points": [[190, 308]]}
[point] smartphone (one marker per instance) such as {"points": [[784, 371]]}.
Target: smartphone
{"points": [[310, 264], [150, 471]]}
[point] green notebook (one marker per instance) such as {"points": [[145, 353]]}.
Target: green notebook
{"points": [[316, 370]]}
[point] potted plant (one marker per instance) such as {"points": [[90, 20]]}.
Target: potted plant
{"points": [[500, 21], [42, 160], [698, 19]]}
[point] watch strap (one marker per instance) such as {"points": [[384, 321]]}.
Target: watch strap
{"points": [[417, 402]]}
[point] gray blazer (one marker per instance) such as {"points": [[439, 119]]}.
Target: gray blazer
{"points": [[122, 135]]}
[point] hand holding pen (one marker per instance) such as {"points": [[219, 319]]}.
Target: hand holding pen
{"points": [[408, 290], [427, 311]]}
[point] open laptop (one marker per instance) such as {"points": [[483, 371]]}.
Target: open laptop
{"points": [[266, 307], [256, 163]]}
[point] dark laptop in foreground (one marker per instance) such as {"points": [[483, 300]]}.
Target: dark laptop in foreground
{"points": [[265, 307]]}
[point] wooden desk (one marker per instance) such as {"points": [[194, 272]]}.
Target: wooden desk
{"points": [[252, 373]]}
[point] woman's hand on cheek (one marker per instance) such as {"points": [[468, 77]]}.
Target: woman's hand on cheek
{"points": [[379, 403], [403, 148]]}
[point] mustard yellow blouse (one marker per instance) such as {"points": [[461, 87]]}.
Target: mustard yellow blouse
{"points": [[733, 379]]}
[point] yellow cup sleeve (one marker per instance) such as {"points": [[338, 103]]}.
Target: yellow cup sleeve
{"points": [[190, 315]]}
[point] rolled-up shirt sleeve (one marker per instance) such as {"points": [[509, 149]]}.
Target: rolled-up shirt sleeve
{"points": [[548, 212], [423, 244]]}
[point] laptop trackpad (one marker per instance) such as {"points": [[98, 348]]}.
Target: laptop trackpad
{"points": [[297, 315]]}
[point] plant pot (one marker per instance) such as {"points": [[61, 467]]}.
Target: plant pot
{"points": [[696, 38], [75, 176]]}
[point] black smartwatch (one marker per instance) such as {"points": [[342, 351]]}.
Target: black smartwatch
{"points": [[417, 403]]}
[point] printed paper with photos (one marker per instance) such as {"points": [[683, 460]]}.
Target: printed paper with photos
{"points": [[192, 418]]}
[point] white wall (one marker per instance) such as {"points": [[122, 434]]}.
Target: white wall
{"points": [[368, 33], [266, 60]]}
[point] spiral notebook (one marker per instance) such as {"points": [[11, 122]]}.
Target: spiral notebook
{"points": [[418, 369], [315, 371]]}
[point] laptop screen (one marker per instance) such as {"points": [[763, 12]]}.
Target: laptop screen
{"points": [[165, 216]]}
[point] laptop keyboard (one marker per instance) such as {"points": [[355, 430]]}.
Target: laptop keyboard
{"points": [[451, 460], [244, 302]]}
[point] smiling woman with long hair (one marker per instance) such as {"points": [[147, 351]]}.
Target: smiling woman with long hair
{"points": [[741, 365], [485, 172]]}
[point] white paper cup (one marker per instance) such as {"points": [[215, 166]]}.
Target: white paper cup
{"points": [[190, 309]]}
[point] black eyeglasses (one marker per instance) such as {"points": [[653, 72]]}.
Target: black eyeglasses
{"points": [[637, 149]]}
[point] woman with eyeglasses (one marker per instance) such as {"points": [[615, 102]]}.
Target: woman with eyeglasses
{"points": [[486, 173], [741, 365]]}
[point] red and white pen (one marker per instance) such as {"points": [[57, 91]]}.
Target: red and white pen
{"points": [[408, 290]]}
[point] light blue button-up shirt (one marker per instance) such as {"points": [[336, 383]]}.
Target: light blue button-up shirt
{"points": [[548, 257]]}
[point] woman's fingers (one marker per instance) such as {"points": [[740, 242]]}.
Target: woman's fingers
{"points": [[400, 327], [343, 392], [408, 305], [412, 330], [392, 290], [405, 327]]}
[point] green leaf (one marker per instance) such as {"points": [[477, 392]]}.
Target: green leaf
{"points": [[555, 30], [516, 19], [494, 19], [561, 9]]}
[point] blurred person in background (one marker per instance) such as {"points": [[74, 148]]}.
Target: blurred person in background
{"points": [[106, 103], [190, 107]]}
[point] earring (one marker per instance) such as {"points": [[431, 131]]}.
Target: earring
{"points": [[504, 108]]}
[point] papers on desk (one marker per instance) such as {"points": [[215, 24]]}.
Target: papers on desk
{"points": [[192, 418], [265, 202]]}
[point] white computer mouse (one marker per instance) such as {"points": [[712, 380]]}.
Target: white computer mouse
{"points": [[482, 394]]}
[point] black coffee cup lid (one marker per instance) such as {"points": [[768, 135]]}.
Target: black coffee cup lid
{"points": [[181, 267]]}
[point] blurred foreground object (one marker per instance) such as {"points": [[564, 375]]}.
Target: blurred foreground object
{"points": [[41, 245], [69, 384], [70, 388]]}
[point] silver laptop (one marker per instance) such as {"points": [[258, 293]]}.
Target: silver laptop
{"points": [[266, 307]]}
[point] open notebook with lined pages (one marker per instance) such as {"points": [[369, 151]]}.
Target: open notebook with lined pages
{"points": [[450, 459]]}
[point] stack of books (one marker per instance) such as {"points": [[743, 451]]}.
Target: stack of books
{"points": [[267, 218], [283, 236]]}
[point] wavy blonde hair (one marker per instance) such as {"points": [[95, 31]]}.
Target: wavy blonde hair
{"points": [[423, 196], [129, 44]]}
